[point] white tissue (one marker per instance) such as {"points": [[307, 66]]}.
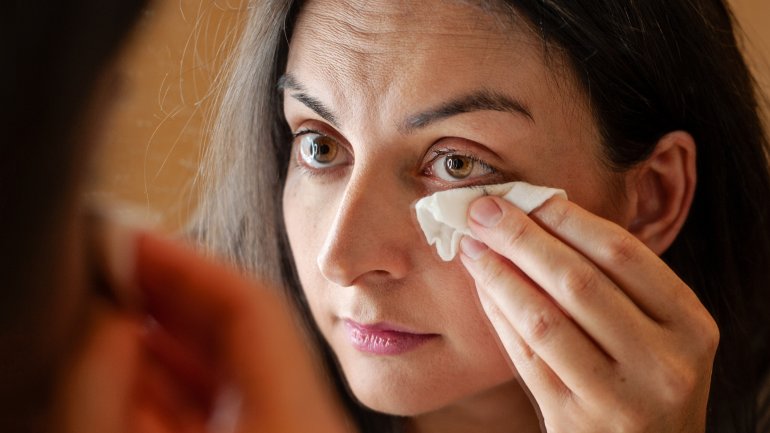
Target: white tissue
{"points": [[443, 215]]}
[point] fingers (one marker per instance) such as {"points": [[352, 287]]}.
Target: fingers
{"points": [[536, 374], [95, 395], [241, 329], [216, 310], [622, 257], [583, 303], [190, 294], [203, 303], [591, 299], [551, 335], [187, 372], [163, 399], [115, 384]]}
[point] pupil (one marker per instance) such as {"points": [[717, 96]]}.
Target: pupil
{"points": [[322, 150], [455, 163], [319, 149], [458, 167]]}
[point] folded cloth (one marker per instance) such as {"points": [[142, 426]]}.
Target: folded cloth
{"points": [[443, 215]]}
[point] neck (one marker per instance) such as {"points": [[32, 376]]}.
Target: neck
{"points": [[503, 409]]}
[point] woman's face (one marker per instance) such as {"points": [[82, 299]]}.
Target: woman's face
{"points": [[392, 101]]}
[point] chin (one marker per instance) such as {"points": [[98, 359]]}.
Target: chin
{"points": [[397, 394], [391, 403]]}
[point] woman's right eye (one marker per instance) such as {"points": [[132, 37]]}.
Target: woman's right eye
{"points": [[319, 151]]}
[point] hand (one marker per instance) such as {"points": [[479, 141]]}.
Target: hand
{"points": [[208, 351], [605, 336]]}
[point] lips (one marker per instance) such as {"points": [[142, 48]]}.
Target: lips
{"points": [[384, 338]]}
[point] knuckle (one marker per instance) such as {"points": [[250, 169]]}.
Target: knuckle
{"points": [[578, 282], [523, 350], [622, 248], [709, 335], [702, 333], [558, 213], [493, 274], [539, 325], [677, 382], [517, 231], [712, 337], [493, 311]]}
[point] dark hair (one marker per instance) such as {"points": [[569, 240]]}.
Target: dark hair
{"points": [[653, 67], [61, 50], [647, 68]]}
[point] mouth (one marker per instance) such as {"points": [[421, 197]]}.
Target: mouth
{"points": [[384, 338]]}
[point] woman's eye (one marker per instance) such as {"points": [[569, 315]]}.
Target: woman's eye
{"points": [[319, 151], [452, 167]]}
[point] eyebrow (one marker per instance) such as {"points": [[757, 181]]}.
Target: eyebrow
{"points": [[288, 81], [480, 100]]}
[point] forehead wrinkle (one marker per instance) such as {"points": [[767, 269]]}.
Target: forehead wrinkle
{"points": [[389, 27], [332, 40], [362, 41], [357, 49], [348, 26]]}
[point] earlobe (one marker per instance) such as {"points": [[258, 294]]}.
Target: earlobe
{"points": [[664, 190]]}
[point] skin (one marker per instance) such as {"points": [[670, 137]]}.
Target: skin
{"points": [[152, 336], [574, 302], [213, 332]]}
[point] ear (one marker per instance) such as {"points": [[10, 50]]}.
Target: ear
{"points": [[663, 191]]}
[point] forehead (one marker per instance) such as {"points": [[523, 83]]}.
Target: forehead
{"points": [[396, 22], [378, 41], [405, 54]]}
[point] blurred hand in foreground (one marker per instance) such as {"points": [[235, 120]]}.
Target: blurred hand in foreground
{"points": [[205, 351]]}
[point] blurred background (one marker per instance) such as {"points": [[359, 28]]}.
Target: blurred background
{"points": [[158, 130]]}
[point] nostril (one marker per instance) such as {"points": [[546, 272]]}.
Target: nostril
{"points": [[334, 269], [345, 270]]}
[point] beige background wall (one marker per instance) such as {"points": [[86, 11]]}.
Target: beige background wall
{"points": [[156, 133]]}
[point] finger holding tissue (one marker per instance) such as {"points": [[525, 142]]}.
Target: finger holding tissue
{"points": [[443, 215]]}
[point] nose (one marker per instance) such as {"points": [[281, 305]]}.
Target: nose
{"points": [[369, 240]]}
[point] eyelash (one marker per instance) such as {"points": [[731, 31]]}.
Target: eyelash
{"points": [[438, 153], [453, 152], [301, 132]]}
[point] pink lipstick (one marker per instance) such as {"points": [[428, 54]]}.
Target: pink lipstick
{"points": [[383, 338]]}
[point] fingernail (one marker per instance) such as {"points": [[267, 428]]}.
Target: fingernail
{"points": [[472, 248], [486, 212], [120, 251], [114, 249]]}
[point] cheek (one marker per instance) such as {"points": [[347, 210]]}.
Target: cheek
{"points": [[579, 170], [600, 192], [304, 217], [463, 314], [308, 211]]}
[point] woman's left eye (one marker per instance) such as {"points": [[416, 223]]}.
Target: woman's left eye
{"points": [[453, 167]]}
